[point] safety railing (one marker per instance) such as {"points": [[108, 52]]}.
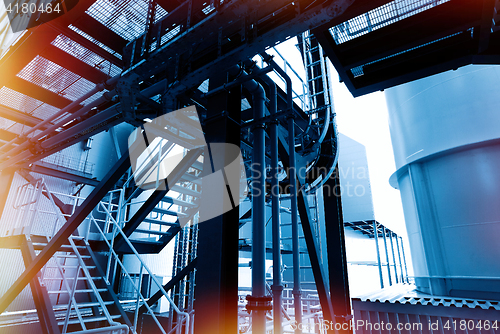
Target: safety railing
{"points": [[141, 301]]}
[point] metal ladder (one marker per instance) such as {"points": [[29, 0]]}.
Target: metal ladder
{"points": [[316, 73], [83, 295]]}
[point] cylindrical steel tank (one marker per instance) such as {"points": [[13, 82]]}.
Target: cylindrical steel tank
{"points": [[445, 133]]}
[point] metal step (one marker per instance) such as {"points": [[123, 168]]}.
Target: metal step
{"points": [[78, 291], [89, 319], [169, 212], [179, 202], [186, 191], [152, 232], [160, 222], [70, 278], [71, 267], [72, 256], [198, 165], [82, 305], [191, 178]]}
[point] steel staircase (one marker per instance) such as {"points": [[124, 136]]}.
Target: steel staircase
{"points": [[80, 292]]}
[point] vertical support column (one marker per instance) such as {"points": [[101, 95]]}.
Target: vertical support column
{"points": [[375, 233], [6, 177], [337, 262], [216, 293], [404, 259], [399, 257], [277, 286], [46, 315], [394, 259], [387, 256], [297, 293]]}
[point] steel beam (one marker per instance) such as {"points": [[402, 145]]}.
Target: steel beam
{"points": [[73, 64], [41, 298], [100, 32], [19, 116], [335, 239], [37, 92], [6, 135], [37, 168], [113, 59], [61, 237], [6, 177], [216, 293]]}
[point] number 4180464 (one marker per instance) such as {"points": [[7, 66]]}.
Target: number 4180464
{"points": [[32, 8], [471, 324]]}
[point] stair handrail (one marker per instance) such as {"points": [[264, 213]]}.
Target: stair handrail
{"points": [[124, 270], [185, 315]]}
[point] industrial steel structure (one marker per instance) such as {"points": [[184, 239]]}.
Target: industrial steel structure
{"points": [[101, 80]]}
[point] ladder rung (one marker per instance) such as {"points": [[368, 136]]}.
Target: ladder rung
{"points": [[318, 93], [314, 63], [315, 78]]}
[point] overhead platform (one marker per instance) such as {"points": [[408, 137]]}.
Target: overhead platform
{"points": [[375, 45]]}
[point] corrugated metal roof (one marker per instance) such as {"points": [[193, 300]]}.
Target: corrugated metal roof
{"points": [[407, 294]]}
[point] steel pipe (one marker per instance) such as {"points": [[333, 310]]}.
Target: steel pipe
{"points": [[277, 286], [297, 293], [258, 202]]}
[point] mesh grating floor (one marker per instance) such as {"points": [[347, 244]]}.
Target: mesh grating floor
{"points": [[358, 70], [55, 78], [18, 128], [126, 18], [44, 111], [18, 101], [95, 41], [379, 17], [93, 59], [5, 123]]}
